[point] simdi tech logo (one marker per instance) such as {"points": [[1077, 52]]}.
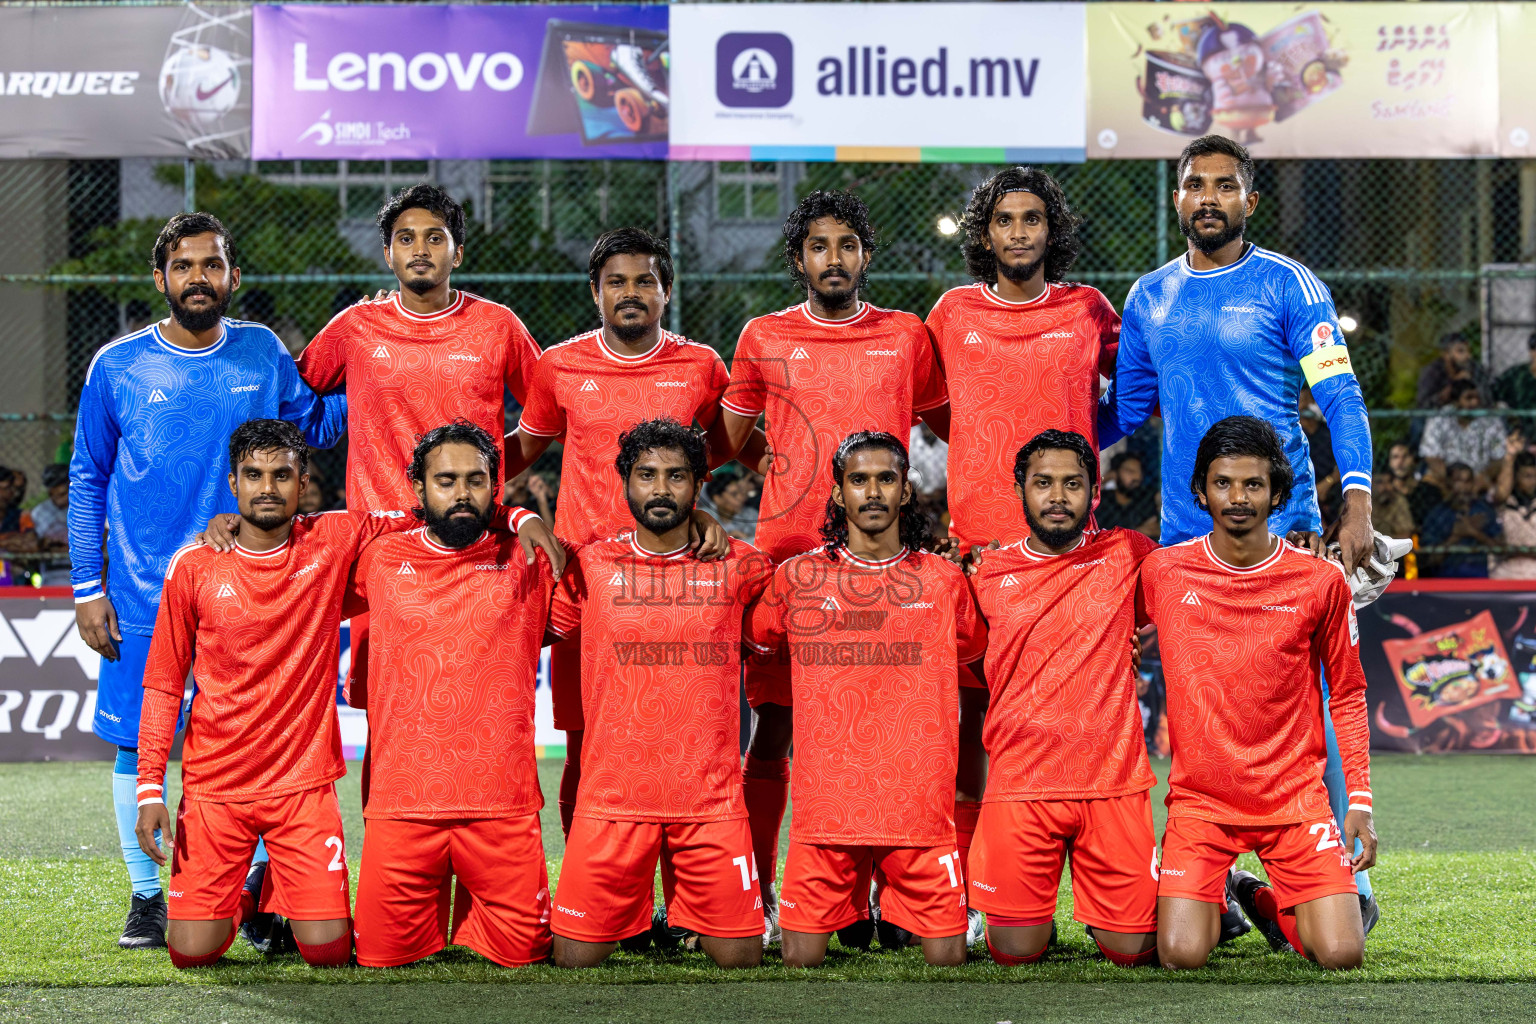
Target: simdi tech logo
{"points": [[754, 69]]}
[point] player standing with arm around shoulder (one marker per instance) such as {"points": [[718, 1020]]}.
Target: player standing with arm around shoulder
{"points": [[660, 637], [457, 618], [591, 389], [877, 628], [155, 417], [1068, 759], [263, 747], [1022, 352], [1246, 623], [817, 371]]}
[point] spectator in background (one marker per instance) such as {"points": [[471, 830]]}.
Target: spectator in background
{"points": [[12, 486], [1463, 520], [1131, 503], [728, 498], [1477, 441], [1515, 388], [1390, 513], [1325, 468], [1455, 364], [1515, 494], [531, 491], [313, 498], [1405, 478], [928, 457], [49, 518]]}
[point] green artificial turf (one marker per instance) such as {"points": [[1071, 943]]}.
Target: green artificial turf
{"points": [[1455, 884]]}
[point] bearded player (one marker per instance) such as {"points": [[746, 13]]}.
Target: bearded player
{"points": [[457, 620], [263, 747], [877, 628], [1022, 352], [1068, 759], [416, 358], [156, 413], [818, 371], [1247, 624], [1230, 328], [660, 635], [590, 389]]}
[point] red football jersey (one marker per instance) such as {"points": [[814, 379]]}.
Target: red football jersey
{"points": [[875, 648], [583, 389], [455, 638], [819, 381], [1063, 722], [661, 664], [264, 630], [1013, 369], [406, 374], [1241, 651]]}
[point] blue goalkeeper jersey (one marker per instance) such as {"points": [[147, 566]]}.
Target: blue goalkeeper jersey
{"points": [[1240, 340], [151, 459]]}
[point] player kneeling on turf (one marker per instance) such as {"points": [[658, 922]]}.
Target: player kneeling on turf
{"points": [[1068, 770], [456, 619], [877, 628], [263, 745], [660, 776], [1245, 621]]}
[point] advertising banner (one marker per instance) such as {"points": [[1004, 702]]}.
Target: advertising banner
{"points": [[78, 81], [1517, 80], [459, 82], [1451, 669], [939, 81], [1294, 80]]}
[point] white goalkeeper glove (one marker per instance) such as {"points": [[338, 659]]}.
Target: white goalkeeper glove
{"points": [[1370, 580]]}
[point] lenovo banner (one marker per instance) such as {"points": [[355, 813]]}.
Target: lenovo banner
{"points": [[458, 82], [1295, 80], [980, 82], [86, 81]]}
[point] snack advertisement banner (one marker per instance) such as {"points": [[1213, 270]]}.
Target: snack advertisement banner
{"points": [[1295, 80], [910, 82], [460, 82], [85, 81], [1450, 669]]}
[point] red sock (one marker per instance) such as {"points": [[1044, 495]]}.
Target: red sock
{"points": [[1141, 959], [183, 961], [966, 814], [570, 780], [1009, 960], [766, 784], [336, 953], [1264, 903]]}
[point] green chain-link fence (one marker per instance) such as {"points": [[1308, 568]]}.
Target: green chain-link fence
{"points": [[1412, 250]]}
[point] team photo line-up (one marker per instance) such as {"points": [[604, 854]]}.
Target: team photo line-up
{"points": [[962, 710]]}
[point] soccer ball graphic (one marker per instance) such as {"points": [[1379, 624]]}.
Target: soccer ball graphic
{"points": [[199, 84]]}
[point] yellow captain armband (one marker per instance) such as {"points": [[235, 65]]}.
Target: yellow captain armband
{"points": [[1325, 362]]}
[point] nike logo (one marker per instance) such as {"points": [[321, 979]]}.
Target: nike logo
{"points": [[203, 94]]}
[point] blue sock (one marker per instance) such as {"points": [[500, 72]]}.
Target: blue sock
{"points": [[143, 873], [1338, 790]]}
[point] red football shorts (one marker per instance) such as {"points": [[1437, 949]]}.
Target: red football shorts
{"points": [[708, 879], [307, 873], [827, 887], [565, 685], [767, 680], [1021, 846], [1304, 861], [502, 907]]}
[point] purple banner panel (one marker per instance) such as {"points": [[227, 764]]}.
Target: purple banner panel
{"points": [[458, 82]]}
